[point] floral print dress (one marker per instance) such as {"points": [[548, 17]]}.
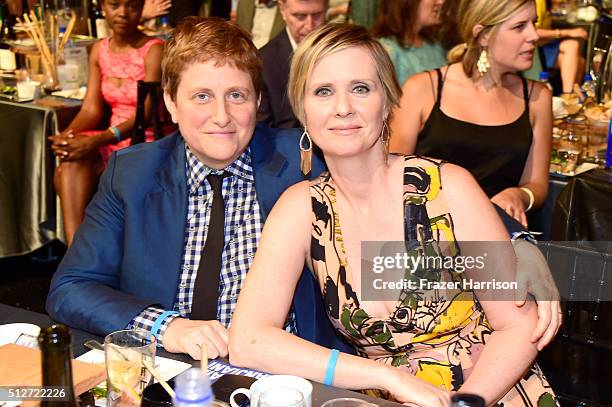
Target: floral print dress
{"points": [[437, 338]]}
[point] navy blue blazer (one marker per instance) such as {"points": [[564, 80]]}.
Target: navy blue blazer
{"points": [[127, 253]]}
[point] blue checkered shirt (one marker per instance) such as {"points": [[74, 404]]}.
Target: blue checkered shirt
{"points": [[243, 224]]}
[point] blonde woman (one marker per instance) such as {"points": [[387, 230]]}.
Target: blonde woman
{"points": [[479, 113], [416, 348]]}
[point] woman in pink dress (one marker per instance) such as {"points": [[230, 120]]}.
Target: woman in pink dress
{"points": [[115, 66]]}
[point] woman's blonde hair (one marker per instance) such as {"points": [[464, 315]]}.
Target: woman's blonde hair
{"points": [[329, 39], [488, 13]]}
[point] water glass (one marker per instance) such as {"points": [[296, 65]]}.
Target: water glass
{"points": [[281, 397], [126, 375], [570, 150]]}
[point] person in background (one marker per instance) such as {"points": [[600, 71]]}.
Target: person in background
{"points": [[479, 113], [115, 66], [419, 345], [561, 49], [261, 18], [301, 18], [155, 8], [338, 11], [407, 30], [364, 12], [172, 231]]}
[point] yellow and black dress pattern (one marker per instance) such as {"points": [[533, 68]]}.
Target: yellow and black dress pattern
{"points": [[435, 337]]}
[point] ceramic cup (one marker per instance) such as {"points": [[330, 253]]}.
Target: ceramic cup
{"points": [[270, 382]]}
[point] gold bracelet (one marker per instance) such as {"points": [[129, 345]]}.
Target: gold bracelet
{"points": [[531, 197]]}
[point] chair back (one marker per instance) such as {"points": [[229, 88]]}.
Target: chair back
{"points": [[145, 89], [577, 362]]}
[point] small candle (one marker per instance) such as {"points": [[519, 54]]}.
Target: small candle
{"points": [[7, 60]]}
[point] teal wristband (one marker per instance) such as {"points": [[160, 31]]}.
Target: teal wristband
{"points": [[116, 132], [331, 367], [160, 320]]}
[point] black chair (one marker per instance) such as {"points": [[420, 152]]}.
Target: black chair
{"points": [[578, 362], [145, 89]]}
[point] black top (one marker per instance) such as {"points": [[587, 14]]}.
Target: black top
{"points": [[495, 155]]}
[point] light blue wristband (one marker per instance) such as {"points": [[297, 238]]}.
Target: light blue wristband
{"points": [[331, 367], [160, 320], [116, 132]]}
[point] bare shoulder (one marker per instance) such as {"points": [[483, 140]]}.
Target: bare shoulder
{"points": [[457, 178], [295, 200], [95, 50], [419, 83], [155, 51], [540, 94]]}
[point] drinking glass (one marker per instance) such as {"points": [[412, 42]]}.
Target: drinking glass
{"points": [[126, 375], [348, 402], [570, 150], [281, 397]]}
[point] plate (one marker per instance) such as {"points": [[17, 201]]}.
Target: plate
{"points": [[582, 168], [19, 333]]}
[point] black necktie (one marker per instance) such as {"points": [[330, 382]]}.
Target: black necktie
{"points": [[206, 287]]}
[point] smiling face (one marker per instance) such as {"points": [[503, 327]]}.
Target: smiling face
{"points": [[428, 13], [344, 103], [303, 16], [215, 108], [514, 44], [122, 16]]}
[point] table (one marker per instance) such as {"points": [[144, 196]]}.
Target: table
{"points": [[321, 392], [28, 209]]}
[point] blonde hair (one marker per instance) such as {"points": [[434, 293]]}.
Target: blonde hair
{"points": [[329, 39], [488, 13]]}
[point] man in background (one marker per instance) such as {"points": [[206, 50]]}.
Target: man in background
{"points": [[261, 18], [301, 18]]}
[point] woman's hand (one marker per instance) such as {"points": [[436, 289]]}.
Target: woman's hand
{"points": [[412, 391], [155, 8], [512, 201], [69, 147]]}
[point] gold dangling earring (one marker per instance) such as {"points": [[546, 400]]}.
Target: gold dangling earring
{"points": [[305, 153], [384, 137], [483, 63]]}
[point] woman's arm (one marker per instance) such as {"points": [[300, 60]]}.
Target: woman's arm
{"points": [[415, 106], [546, 34], [508, 351], [514, 200], [257, 338], [93, 103]]}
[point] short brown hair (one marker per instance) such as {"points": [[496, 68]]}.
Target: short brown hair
{"points": [[198, 39], [327, 40], [396, 18]]}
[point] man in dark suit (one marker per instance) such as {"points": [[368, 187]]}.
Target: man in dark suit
{"points": [[168, 238], [301, 18]]}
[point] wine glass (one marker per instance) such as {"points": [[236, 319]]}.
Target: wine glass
{"points": [[281, 397]]}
